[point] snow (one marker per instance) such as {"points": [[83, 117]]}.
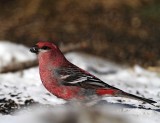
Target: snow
{"points": [[13, 53], [27, 85]]}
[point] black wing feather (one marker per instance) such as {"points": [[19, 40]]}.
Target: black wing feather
{"points": [[74, 76]]}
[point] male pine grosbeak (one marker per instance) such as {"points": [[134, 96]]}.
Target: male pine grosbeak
{"points": [[67, 81]]}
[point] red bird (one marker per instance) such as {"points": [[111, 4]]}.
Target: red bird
{"points": [[67, 81]]}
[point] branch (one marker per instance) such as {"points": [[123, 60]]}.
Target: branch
{"points": [[18, 66]]}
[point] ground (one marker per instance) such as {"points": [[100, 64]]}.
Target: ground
{"points": [[23, 97]]}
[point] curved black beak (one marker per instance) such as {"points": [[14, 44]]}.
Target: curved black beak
{"points": [[34, 49]]}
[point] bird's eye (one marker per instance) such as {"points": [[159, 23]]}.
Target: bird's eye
{"points": [[45, 48]]}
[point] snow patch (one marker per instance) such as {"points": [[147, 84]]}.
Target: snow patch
{"points": [[14, 53]]}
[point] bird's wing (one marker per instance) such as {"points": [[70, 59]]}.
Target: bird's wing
{"points": [[74, 76]]}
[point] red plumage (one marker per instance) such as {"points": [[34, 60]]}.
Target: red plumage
{"points": [[66, 80], [106, 92]]}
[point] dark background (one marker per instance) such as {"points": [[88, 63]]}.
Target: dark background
{"points": [[125, 31]]}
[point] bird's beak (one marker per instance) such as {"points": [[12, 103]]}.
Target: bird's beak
{"points": [[34, 49]]}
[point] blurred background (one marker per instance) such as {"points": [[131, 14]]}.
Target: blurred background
{"points": [[125, 31], [118, 40]]}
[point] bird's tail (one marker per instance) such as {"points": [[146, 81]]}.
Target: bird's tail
{"points": [[124, 94], [120, 93]]}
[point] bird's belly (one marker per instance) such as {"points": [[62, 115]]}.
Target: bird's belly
{"points": [[64, 92]]}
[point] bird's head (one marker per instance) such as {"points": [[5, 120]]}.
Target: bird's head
{"points": [[44, 47], [47, 52]]}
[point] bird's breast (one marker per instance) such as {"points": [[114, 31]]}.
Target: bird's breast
{"points": [[52, 84]]}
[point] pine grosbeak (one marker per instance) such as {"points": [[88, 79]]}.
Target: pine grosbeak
{"points": [[66, 80]]}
